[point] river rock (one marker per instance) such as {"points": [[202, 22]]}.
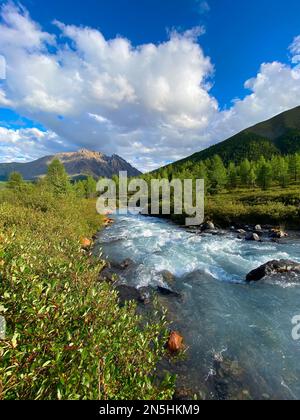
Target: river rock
{"points": [[168, 292], [108, 274], [258, 228], [144, 295], [208, 226], [167, 276], [127, 263], [241, 231], [278, 234], [175, 342], [273, 267], [127, 294], [252, 237]]}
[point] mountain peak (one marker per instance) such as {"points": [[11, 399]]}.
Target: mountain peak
{"points": [[78, 164]]}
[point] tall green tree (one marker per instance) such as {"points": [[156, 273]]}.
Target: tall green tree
{"points": [[218, 174], [245, 169], [282, 172], [90, 187], [294, 167], [252, 177], [79, 188], [57, 178], [232, 175], [264, 174], [15, 180]]}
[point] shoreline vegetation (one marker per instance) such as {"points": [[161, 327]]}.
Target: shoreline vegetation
{"points": [[67, 335]]}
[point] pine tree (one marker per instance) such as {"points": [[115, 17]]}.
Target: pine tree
{"points": [[232, 175], [57, 178], [252, 177], [218, 174], [282, 172], [264, 174], [294, 167], [90, 187], [245, 169], [79, 189]]}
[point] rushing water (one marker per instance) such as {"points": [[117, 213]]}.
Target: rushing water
{"points": [[239, 335]]}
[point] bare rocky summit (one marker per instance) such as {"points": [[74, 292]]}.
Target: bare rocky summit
{"points": [[78, 165]]}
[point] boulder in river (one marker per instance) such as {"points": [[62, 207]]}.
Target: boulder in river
{"points": [[127, 263], [167, 276], [252, 237], [258, 228], [168, 292], [241, 231], [278, 234], [272, 268], [208, 226]]}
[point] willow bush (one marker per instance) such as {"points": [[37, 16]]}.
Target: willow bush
{"points": [[67, 337]]}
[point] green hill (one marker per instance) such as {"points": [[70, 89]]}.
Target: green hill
{"points": [[278, 136]]}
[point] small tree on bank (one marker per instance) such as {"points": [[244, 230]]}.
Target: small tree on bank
{"points": [[15, 180], [57, 178]]}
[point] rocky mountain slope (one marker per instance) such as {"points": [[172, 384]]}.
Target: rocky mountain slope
{"points": [[78, 165]]}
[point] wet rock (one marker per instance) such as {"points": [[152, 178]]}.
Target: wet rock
{"points": [[252, 237], [130, 293], [273, 267], [168, 292], [108, 274], [278, 234], [127, 294], [145, 295], [175, 342], [108, 221], [167, 276], [127, 263], [258, 228], [183, 394], [241, 231], [208, 226]]}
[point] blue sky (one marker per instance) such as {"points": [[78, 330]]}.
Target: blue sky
{"points": [[238, 37]]}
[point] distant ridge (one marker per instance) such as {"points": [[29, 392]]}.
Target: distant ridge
{"points": [[78, 165], [278, 135]]}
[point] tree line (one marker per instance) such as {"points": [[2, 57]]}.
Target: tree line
{"points": [[57, 181], [262, 173]]}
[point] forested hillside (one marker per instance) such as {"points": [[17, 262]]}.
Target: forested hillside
{"points": [[277, 136]]}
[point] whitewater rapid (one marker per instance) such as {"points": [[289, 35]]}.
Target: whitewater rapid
{"points": [[239, 335]]}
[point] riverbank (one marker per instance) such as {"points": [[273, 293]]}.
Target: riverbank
{"points": [[279, 207]]}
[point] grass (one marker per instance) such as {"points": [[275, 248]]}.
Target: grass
{"points": [[67, 336], [276, 206]]}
